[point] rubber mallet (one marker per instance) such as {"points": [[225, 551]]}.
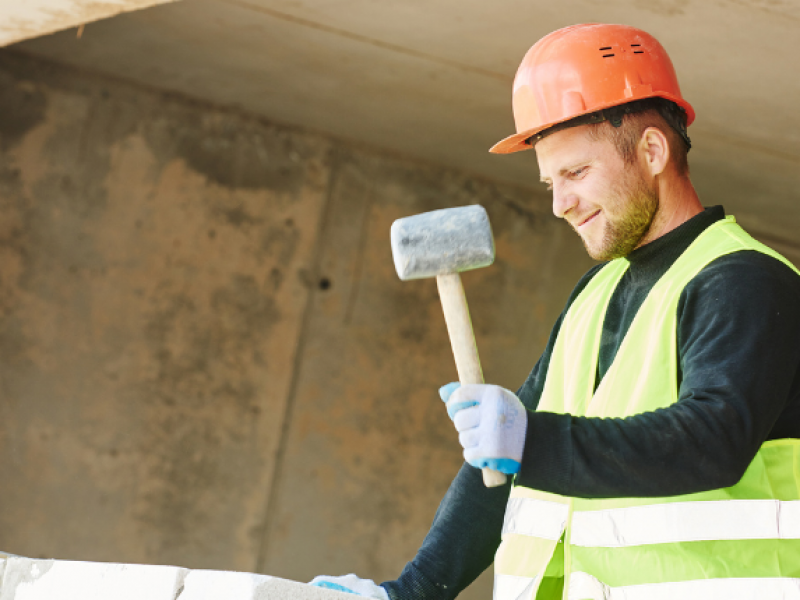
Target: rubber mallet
{"points": [[441, 244]]}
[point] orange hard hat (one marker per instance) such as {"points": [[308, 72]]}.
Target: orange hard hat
{"points": [[584, 69]]}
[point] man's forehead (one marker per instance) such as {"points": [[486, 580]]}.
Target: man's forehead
{"points": [[558, 150]]}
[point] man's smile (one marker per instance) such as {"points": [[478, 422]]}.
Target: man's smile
{"points": [[583, 221]]}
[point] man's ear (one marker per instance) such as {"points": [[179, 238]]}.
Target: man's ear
{"points": [[654, 150]]}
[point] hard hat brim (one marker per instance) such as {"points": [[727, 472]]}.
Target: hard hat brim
{"points": [[518, 141]]}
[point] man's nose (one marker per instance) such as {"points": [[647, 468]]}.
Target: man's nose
{"points": [[563, 201]]}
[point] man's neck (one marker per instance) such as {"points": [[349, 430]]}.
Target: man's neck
{"points": [[661, 253], [677, 203]]}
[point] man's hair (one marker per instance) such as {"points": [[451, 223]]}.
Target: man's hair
{"points": [[626, 137]]}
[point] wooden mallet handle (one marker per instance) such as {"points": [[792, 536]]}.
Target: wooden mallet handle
{"points": [[462, 339]]}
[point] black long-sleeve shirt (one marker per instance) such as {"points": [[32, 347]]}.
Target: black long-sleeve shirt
{"points": [[739, 368]]}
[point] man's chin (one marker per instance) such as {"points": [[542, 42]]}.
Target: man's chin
{"points": [[607, 248], [605, 251], [594, 252], [600, 255]]}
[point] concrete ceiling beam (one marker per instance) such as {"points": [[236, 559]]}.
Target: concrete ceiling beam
{"points": [[33, 18]]}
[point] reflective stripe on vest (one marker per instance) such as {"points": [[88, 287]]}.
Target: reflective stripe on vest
{"points": [[540, 518], [514, 587], [690, 546], [687, 522], [657, 523], [583, 586]]}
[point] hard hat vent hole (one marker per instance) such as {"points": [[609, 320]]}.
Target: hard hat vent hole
{"points": [[607, 55], [606, 48]]}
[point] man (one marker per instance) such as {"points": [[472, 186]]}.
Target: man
{"points": [[654, 444]]}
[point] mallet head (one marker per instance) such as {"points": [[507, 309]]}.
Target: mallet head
{"points": [[442, 241]]}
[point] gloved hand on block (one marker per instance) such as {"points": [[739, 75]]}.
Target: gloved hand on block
{"points": [[351, 584], [491, 424]]}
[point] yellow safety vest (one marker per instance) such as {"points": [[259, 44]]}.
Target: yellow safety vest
{"points": [[733, 543]]}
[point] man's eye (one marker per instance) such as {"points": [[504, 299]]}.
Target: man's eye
{"points": [[577, 172]]}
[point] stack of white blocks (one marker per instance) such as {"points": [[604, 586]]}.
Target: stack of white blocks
{"points": [[31, 579]]}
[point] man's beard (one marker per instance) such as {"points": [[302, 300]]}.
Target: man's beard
{"points": [[629, 215]]}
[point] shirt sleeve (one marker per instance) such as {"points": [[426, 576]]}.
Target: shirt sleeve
{"points": [[738, 326], [460, 544]]}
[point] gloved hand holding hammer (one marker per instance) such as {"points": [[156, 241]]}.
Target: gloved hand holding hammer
{"points": [[491, 423]]}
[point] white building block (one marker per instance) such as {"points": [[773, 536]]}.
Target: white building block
{"points": [[30, 579], [211, 585], [224, 585]]}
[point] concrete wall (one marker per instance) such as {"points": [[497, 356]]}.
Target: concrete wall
{"points": [[207, 358]]}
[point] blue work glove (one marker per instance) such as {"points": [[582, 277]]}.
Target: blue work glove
{"points": [[491, 424], [351, 584]]}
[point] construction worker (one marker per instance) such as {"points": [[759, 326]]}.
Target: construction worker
{"points": [[655, 444]]}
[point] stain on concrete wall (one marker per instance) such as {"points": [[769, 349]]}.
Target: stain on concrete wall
{"points": [[207, 358]]}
